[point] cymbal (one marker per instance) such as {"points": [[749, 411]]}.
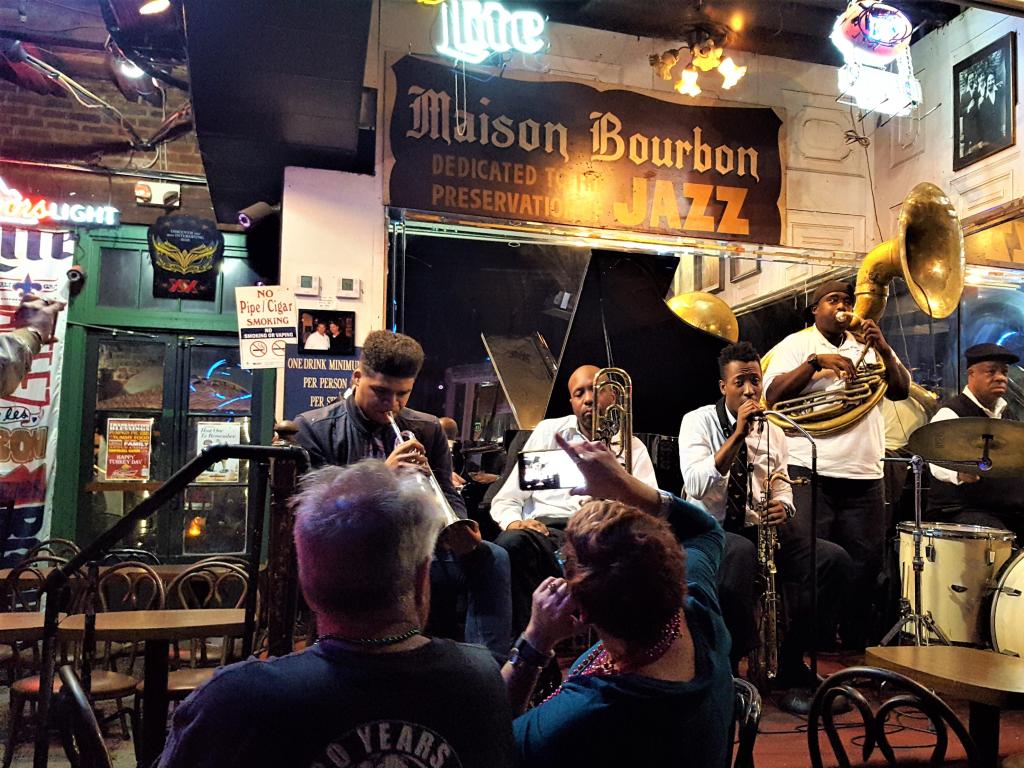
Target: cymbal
{"points": [[962, 440]]}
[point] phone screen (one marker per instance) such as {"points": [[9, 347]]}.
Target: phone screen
{"points": [[546, 470]]}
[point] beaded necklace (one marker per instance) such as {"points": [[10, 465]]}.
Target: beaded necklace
{"points": [[375, 642], [600, 662]]}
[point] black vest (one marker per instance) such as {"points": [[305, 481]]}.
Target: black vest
{"points": [[988, 494]]}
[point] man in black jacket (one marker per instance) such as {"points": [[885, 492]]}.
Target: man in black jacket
{"points": [[963, 496], [358, 426]]}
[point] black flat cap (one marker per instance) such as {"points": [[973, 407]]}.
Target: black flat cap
{"points": [[979, 353], [832, 286]]}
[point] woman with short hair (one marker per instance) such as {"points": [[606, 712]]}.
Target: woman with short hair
{"points": [[657, 688]]}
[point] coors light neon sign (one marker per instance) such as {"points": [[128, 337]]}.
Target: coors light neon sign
{"points": [[17, 209]]}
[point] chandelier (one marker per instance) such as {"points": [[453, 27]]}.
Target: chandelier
{"points": [[705, 47]]}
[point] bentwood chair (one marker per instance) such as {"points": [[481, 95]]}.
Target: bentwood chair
{"points": [[209, 584], [80, 733], [746, 720], [128, 586], [906, 699], [61, 548], [107, 684]]}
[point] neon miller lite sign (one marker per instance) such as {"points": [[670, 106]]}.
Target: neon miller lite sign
{"points": [[472, 30], [15, 208]]}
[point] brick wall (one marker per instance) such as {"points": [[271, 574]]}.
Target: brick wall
{"points": [[60, 130]]}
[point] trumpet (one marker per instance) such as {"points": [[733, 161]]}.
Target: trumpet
{"points": [[450, 518], [764, 660]]}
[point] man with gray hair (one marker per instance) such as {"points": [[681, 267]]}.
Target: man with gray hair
{"points": [[372, 690]]}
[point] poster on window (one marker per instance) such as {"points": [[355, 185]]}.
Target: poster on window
{"points": [[209, 433], [129, 449], [31, 262]]}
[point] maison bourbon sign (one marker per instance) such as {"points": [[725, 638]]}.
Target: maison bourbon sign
{"points": [[565, 153]]}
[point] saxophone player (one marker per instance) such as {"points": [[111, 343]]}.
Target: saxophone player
{"points": [[727, 452]]}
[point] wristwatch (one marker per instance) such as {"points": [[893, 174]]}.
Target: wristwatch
{"points": [[665, 503], [524, 654], [813, 362]]}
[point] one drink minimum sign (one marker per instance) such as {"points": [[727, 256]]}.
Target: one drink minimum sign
{"points": [[266, 322]]}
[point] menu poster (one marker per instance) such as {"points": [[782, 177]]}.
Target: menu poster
{"points": [[215, 433], [129, 448]]}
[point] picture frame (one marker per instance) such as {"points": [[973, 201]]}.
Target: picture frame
{"points": [[312, 340], [984, 102], [741, 269], [708, 273]]}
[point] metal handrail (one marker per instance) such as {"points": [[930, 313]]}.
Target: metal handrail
{"points": [[175, 484]]}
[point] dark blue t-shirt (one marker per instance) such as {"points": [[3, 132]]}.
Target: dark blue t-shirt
{"points": [[630, 720], [442, 705]]}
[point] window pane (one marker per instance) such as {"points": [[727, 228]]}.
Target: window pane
{"points": [[217, 384], [119, 277], [235, 272], [130, 376], [215, 520]]}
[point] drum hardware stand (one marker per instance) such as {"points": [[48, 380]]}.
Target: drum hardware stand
{"points": [[923, 623]]}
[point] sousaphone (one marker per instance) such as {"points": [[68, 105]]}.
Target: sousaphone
{"points": [[928, 253]]}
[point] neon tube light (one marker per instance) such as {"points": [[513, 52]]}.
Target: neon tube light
{"points": [[15, 208]]}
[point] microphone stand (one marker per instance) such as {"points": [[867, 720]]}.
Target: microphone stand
{"points": [[813, 650]]}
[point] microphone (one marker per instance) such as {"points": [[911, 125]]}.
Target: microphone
{"points": [[760, 418]]}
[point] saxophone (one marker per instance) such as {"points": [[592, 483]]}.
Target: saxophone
{"points": [[764, 660]]}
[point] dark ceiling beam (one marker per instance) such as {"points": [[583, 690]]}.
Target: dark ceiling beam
{"points": [[1008, 7], [50, 41]]}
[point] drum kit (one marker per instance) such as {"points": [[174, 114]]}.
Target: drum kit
{"points": [[963, 571]]}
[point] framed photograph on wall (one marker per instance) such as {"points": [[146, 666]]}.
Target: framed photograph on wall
{"points": [[327, 332], [741, 269], [984, 101], [708, 273]]}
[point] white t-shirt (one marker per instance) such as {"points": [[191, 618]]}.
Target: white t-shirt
{"points": [[512, 503], [857, 451], [318, 341]]}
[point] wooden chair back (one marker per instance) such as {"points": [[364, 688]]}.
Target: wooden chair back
{"points": [[905, 696]]}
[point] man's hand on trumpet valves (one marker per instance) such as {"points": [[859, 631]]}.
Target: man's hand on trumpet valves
{"points": [[409, 454]]}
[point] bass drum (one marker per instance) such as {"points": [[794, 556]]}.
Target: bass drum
{"points": [[960, 566], [1008, 609]]}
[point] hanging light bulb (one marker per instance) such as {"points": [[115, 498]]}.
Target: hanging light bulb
{"points": [[706, 56], [149, 7], [687, 83], [195, 528], [731, 73]]}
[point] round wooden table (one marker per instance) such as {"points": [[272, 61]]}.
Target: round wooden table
{"points": [[24, 627], [989, 681], [157, 629]]}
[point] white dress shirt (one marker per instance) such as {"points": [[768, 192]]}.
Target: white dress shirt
{"points": [[512, 503], [320, 342], [700, 438], [945, 414], [857, 451]]}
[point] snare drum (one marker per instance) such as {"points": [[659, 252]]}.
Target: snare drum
{"points": [[1008, 609], [960, 567]]}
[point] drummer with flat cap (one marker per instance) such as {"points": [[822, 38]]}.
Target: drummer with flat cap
{"points": [[963, 496]]}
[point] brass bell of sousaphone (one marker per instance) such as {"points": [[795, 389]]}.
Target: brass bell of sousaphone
{"points": [[928, 253], [706, 312]]}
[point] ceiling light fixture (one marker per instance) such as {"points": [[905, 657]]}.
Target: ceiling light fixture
{"points": [[151, 7], [872, 36], [706, 43]]}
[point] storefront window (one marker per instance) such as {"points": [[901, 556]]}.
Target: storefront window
{"points": [[159, 401]]}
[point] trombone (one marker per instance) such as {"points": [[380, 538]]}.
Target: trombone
{"points": [[613, 423]]}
